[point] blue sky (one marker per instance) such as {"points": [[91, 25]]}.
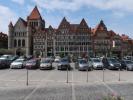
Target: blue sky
{"points": [[117, 14]]}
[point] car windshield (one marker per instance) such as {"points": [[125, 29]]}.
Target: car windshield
{"points": [[113, 61], [31, 61], [4, 56], [64, 60], [96, 60], [12, 58], [82, 61], [45, 61], [129, 62], [19, 60]]}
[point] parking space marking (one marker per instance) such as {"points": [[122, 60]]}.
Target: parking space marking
{"points": [[38, 86], [73, 89], [106, 85]]}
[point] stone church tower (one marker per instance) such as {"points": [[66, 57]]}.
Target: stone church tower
{"points": [[34, 22]]}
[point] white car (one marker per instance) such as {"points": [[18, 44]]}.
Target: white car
{"points": [[45, 64], [17, 64]]}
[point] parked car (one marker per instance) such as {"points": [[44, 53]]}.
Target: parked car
{"points": [[83, 65], [11, 59], [55, 63], [52, 58], [57, 59], [111, 63], [77, 62], [45, 64], [97, 63], [127, 64], [64, 64], [4, 61], [29, 57], [128, 57], [32, 64], [17, 64]]}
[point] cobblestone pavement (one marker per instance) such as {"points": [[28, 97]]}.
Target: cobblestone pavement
{"points": [[52, 84]]}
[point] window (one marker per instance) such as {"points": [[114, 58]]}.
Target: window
{"points": [[19, 43], [23, 43], [15, 43]]}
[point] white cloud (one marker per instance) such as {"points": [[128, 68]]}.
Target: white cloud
{"points": [[21, 2], [6, 15], [73, 5]]}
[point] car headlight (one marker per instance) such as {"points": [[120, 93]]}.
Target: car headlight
{"points": [[95, 65], [59, 64], [111, 64]]}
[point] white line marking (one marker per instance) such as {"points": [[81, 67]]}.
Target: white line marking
{"points": [[106, 85], [39, 85]]}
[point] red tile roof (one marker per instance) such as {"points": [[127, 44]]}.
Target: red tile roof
{"points": [[35, 14], [101, 26], [124, 37], [3, 35]]}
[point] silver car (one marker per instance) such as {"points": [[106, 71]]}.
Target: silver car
{"points": [[129, 65], [17, 64], [45, 64], [97, 63], [83, 65]]}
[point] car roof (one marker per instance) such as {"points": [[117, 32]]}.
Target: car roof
{"points": [[20, 59]]}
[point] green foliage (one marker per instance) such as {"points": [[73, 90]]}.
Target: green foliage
{"points": [[6, 51], [62, 55], [112, 97]]}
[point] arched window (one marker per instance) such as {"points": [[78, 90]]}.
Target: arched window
{"points": [[23, 43], [15, 43], [19, 43]]}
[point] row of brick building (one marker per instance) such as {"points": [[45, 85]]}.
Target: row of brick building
{"points": [[32, 37]]}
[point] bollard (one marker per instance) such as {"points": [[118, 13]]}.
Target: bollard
{"points": [[67, 75], [87, 75], [103, 74], [119, 75], [27, 82]]}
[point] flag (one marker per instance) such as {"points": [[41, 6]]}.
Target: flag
{"points": [[113, 44]]}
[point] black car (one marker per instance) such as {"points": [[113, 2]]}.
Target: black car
{"points": [[6, 60], [111, 63], [127, 64]]}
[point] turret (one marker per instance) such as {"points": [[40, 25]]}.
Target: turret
{"points": [[10, 35]]}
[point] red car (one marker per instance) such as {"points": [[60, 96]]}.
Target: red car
{"points": [[32, 64]]}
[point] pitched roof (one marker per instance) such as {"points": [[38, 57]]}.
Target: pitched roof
{"points": [[112, 33], [83, 23], [11, 25], [64, 22], [22, 21], [124, 37], [74, 27], [35, 14], [3, 35], [100, 26]]}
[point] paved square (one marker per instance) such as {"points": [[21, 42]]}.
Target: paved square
{"points": [[51, 84]]}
